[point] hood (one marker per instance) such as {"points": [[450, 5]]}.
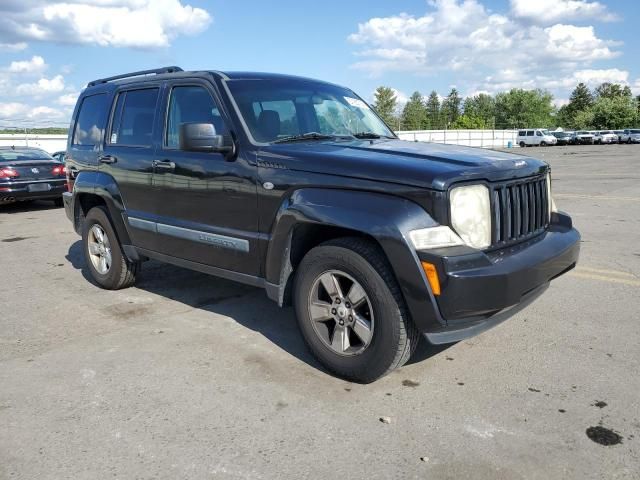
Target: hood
{"points": [[427, 165]]}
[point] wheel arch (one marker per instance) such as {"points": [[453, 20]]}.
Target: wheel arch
{"points": [[312, 216], [99, 189]]}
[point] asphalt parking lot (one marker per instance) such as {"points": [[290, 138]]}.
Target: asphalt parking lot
{"points": [[189, 376]]}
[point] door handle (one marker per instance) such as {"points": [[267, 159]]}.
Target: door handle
{"points": [[164, 165], [107, 159]]}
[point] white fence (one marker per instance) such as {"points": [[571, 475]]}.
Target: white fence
{"points": [[49, 143], [470, 138]]}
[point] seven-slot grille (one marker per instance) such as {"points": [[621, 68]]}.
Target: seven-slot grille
{"points": [[520, 209]]}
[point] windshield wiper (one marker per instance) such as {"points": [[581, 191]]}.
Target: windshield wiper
{"points": [[370, 135], [304, 136], [366, 135]]}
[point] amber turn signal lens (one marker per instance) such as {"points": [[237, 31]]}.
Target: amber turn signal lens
{"points": [[432, 276]]}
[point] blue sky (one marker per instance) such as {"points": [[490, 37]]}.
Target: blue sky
{"points": [[50, 49]]}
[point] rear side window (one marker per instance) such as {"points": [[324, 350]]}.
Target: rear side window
{"points": [[90, 121], [133, 118], [529, 133]]}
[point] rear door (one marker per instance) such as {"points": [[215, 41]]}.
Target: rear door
{"points": [[88, 133], [128, 156], [207, 203]]}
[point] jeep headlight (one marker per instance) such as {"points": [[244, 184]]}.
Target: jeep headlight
{"points": [[471, 215]]}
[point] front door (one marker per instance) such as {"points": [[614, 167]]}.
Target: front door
{"points": [[206, 210]]}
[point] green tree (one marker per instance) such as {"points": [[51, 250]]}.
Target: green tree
{"points": [[433, 111], [469, 122], [614, 113], [385, 104], [451, 107], [481, 107], [611, 90], [583, 120], [519, 108], [581, 99], [414, 113]]}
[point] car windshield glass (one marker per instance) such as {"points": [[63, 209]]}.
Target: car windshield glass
{"points": [[275, 110], [19, 154]]}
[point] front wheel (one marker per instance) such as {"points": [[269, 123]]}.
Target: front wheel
{"points": [[106, 262], [543, 144], [351, 312]]}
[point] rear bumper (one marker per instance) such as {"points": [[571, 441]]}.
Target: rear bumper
{"points": [[17, 192], [480, 290]]}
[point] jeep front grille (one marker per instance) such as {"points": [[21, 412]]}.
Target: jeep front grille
{"points": [[520, 210]]}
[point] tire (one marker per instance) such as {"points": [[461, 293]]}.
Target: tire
{"points": [[119, 273], [58, 202], [543, 144], [629, 141], [392, 336], [522, 144]]}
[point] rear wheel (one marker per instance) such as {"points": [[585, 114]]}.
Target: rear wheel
{"points": [[108, 266], [351, 312], [522, 145]]}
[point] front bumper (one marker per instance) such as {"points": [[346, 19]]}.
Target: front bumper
{"points": [[21, 191], [480, 290]]}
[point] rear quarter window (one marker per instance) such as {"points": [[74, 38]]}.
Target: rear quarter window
{"points": [[91, 118]]}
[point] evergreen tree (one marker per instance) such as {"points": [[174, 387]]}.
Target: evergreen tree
{"points": [[433, 111], [451, 107], [385, 104], [581, 98], [414, 113]]}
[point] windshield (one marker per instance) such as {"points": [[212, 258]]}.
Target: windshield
{"points": [[276, 109], [23, 154]]}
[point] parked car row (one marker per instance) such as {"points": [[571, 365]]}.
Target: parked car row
{"points": [[542, 137]]}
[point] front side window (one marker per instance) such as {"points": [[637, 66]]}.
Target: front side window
{"points": [[190, 104], [133, 118], [539, 133], [276, 109], [91, 119]]}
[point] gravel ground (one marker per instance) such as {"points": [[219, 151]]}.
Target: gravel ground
{"points": [[189, 376]]}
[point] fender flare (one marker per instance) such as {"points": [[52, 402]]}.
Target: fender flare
{"points": [[104, 186], [386, 218]]}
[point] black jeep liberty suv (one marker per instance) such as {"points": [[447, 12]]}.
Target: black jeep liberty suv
{"points": [[297, 186]]}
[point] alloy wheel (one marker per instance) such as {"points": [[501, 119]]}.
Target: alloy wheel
{"points": [[341, 313], [99, 249]]}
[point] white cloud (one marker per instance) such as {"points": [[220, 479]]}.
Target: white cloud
{"points": [[547, 12], [635, 88], [13, 47], [36, 64], [119, 23], [68, 99], [488, 51], [11, 109], [42, 86]]}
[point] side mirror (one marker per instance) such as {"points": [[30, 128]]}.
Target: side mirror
{"points": [[202, 137]]}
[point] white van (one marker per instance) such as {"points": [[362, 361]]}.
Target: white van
{"points": [[537, 136]]}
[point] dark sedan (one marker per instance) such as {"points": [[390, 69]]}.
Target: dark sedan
{"points": [[30, 174]]}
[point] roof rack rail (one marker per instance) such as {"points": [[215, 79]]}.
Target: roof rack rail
{"points": [[154, 71]]}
